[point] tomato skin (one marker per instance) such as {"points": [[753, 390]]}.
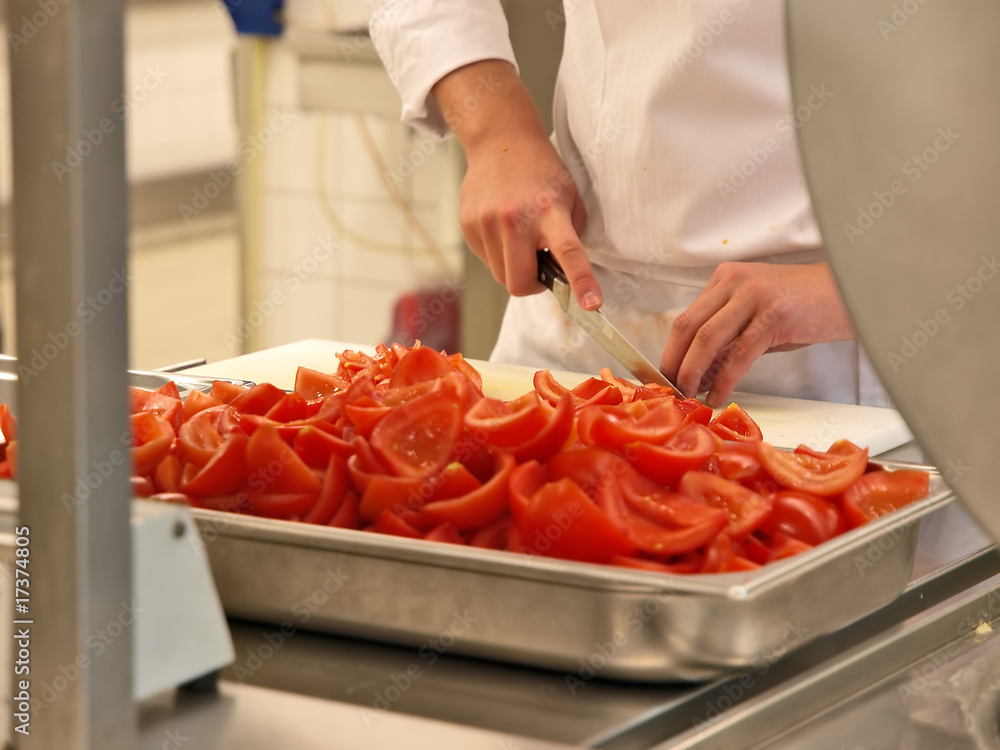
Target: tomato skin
{"points": [[506, 424], [444, 533], [347, 516], [137, 402], [141, 486], [199, 437], [166, 407], [548, 387], [392, 524], [747, 510], [733, 423], [8, 424], [493, 536], [222, 474], [152, 439], [614, 428], [225, 391], [420, 364], [785, 546], [739, 461], [686, 451], [195, 402], [284, 506], [167, 475], [881, 492], [332, 493], [272, 467], [257, 399], [290, 408], [823, 474], [695, 411], [805, 517], [561, 521], [478, 508], [315, 445]]}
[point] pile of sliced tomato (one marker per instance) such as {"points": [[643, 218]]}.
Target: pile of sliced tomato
{"points": [[405, 443]]}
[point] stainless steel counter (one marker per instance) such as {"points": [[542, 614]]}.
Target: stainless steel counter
{"points": [[366, 690]]}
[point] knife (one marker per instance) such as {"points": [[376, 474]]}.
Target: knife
{"points": [[599, 327]]}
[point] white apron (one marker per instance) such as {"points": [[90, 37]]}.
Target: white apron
{"points": [[674, 118]]}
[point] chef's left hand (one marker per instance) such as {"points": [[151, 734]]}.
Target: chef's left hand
{"points": [[746, 310]]}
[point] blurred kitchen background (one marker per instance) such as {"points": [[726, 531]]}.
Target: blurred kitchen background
{"points": [[274, 194]]}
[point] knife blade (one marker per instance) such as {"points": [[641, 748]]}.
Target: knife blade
{"points": [[599, 327]]}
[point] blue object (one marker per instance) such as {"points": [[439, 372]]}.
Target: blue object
{"points": [[256, 16]]}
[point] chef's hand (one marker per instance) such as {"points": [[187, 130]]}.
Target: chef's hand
{"points": [[517, 196], [745, 310]]}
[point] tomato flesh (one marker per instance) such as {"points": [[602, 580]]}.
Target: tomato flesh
{"points": [[881, 492], [823, 474]]}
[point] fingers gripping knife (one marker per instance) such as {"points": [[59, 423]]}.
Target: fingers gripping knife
{"points": [[599, 327]]}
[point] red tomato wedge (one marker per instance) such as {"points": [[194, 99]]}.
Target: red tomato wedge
{"points": [[493, 536], [225, 391], [315, 446], [881, 492], [561, 521], [167, 476], [480, 507], [786, 546], [152, 438], [312, 384], [8, 425], [166, 407], [445, 533], [506, 424], [418, 365], [292, 407], [199, 437], [197, 401], [257, 399], [687, 450], [805, 517], [822, 474], [614, 428], [552, 437], [272, 466], [746, 509], [286, 506], [222, 474], [548, 387], [418, 438], [626, 387], [336, 484], [733, 423]]}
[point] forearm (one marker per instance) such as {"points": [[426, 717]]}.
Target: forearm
{"points": [[487, 106]]}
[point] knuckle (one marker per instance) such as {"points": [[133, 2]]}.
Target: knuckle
{"points": [[705, 334], [681, 323]]}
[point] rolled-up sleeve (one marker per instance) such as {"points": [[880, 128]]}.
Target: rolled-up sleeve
{"points": [[421, 41]]}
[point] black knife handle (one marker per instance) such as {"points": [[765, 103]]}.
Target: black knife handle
{"points": [[549, 270]]}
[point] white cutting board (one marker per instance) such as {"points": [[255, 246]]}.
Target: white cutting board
{"points": [[785, 422]]}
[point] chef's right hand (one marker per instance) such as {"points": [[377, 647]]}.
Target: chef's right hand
{"points": [[517, 196]]}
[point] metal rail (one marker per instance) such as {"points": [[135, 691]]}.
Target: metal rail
{"points": [[72, 283]]}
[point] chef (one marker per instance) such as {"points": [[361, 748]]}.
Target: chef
{"points": [[671, 191]]}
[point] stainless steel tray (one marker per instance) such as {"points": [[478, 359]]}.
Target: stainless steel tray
{"points": [[151, 379], [584, 620]]}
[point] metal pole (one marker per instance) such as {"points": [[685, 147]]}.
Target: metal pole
{"points": [[70, 253]]}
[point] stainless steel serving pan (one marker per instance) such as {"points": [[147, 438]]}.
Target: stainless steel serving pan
{"points": [[585, 620]]}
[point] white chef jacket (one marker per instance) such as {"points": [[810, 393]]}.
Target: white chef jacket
{"points": [[674, 119]]}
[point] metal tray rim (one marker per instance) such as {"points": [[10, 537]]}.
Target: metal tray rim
{"points": [[735, 586]]}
